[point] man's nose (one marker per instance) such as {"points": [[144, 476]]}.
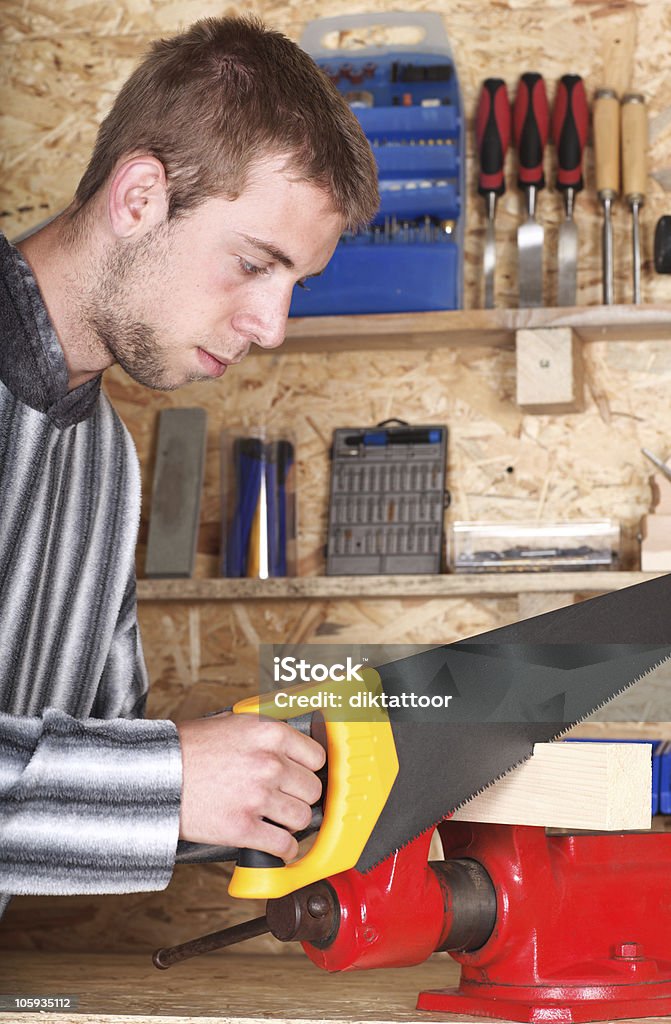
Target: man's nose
{"points": [[266, 324]]}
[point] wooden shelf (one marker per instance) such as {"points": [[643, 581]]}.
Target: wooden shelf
{"points": [[343, 588], [471, 327], [388, 331]]}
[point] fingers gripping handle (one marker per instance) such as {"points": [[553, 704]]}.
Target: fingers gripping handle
{"points": [[531, 121], [362, 766], [570, 122], [259, 858], [492, 133]]}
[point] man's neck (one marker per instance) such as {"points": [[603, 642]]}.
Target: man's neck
{"points": [[62, 270]]}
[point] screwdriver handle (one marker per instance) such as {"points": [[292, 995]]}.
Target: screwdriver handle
{"points": [[634, 147], [531, 121], [606, 128], [492, 134], [570, 121]]}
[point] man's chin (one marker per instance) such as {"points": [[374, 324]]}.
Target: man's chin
{"points": [[151, 379], [157, 378]]}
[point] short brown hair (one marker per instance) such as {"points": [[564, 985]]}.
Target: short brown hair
{"points": [[210, 102]]}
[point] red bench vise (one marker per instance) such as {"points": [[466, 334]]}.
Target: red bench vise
{"points": [[546, 927]]}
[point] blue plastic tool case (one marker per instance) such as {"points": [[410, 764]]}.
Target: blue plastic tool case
{"points": [[663, 755], [408, 101]]}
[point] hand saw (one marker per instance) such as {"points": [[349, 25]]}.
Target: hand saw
{"points": [[393, 774]]}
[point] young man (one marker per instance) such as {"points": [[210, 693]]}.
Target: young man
{"points": [[222, 177]]}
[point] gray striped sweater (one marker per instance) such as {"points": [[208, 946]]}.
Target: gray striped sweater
{"points": [[89, 792]]}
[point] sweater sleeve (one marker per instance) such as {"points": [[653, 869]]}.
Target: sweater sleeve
{"points": [[92, 805], [87, 806]]}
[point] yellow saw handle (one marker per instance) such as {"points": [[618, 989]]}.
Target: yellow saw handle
{"points": [[362, 766]]}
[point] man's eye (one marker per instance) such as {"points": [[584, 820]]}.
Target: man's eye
{"points": [[251, 268]]}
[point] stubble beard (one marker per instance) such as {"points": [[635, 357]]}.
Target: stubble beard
{"points": [[133, 342]]}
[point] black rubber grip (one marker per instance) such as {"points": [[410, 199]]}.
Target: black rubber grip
{"points": [[570, 122], [492, 132], [531, 122], [663, 245]]}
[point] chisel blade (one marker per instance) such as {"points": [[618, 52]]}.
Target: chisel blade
{"points": [[530, 262], [567, 257], [489, 264]]}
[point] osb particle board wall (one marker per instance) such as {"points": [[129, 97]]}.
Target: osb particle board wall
{"points": [[61, 66]]}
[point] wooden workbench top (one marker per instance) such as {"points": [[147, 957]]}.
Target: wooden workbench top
{"points": [[222, 989]]}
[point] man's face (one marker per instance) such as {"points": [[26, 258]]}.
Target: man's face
{"points": [[192, 296]]}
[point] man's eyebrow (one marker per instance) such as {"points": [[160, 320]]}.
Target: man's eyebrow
{"points": [[270, 250]]}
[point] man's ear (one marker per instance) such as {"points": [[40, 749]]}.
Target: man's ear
{"points": [[138, 196]]}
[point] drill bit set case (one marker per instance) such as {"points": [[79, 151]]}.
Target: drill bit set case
{"points": [[388, 496], [562, 546], [408, 101]]}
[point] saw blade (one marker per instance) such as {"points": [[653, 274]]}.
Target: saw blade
{"points": [[510, 688]]}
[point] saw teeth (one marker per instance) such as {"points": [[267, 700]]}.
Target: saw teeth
{"points": [[502, 775]]}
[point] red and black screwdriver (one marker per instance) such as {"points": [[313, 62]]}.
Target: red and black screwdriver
{"points": [[492, 133], [570, 122], [531, 122]]}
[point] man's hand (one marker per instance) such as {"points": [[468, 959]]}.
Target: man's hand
{"points": [[240, 769]]}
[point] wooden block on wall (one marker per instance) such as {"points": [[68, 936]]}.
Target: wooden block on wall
{"points": [[175, 502], [656, 544], [604, 786], [549, 370]]}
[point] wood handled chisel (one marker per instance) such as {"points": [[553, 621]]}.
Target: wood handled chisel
{"points": [[492, 132], [570, 121], [531, 119], [634, 126], [606, 128]]}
